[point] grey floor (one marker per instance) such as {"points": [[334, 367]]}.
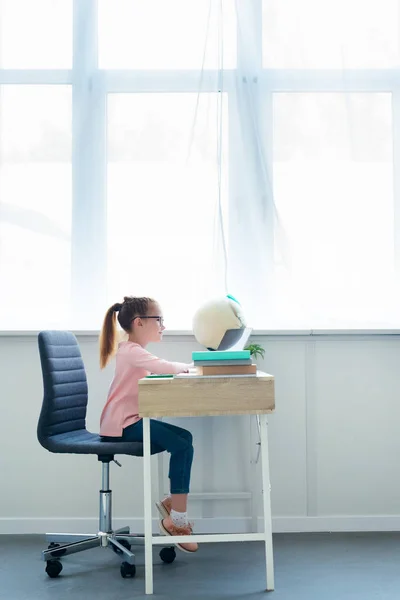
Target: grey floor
{"points": [[307, 567]]}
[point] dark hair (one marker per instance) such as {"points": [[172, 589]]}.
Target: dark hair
{"points": [[130, 308]]}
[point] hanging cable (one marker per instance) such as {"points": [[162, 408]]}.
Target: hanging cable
{"points": [[220, 103], [196, 110]]}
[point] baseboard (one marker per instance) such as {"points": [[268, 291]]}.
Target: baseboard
{"points": [[31, 525], [335, 523], [90, 525]]}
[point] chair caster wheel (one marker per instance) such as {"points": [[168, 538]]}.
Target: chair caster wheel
{"points": [[53, 568], [168, 555], [127, 570], [124, 543]]}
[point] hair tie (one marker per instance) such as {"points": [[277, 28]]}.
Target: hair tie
{"points": [[117, 307]]}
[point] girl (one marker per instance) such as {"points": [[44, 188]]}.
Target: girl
{"points": [[142, 320]]}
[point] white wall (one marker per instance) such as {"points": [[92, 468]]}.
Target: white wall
{"points": [[334, 442]]}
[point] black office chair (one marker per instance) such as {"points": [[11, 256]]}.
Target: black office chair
{"points": [[62, 429]]}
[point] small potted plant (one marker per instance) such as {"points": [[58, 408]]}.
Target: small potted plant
{"points": [[256, 351]]}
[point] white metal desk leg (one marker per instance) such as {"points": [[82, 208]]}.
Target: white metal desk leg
{"points": [[148, 544], [269, 556], [254, 470], [160, 465], [161, 484]]}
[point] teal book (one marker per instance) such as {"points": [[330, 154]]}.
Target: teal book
{"points": [[155, 376], [209, 355], [222, 363]]}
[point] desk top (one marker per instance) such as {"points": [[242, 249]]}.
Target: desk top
{"points": [[193, 395]]}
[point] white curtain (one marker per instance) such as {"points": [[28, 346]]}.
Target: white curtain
{"points": [[315, 182], [169, 153], [294, 117], [335, 160]]}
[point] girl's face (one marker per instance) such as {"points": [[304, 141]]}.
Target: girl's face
{"points": [[154, 324], [148, 328]]}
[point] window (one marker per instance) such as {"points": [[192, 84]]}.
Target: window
{"points": [[339, 189], [155, 34], [332, 108], [35, 35], [162, 196], [167, 148], [330, 34], [35, 205]]}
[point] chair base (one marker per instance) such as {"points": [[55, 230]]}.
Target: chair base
{"points": [[120, 540], [71, 543]]}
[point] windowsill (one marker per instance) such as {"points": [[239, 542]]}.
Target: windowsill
{"points": [[255, 333]]}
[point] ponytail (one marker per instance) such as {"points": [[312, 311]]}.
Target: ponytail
{"points": [[108, 336]]}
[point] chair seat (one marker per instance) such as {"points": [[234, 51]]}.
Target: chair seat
{"points": [[84, 442]]}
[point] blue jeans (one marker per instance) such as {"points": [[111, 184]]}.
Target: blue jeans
{"points": [[176, 441]]}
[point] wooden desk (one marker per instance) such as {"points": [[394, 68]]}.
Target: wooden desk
{"points": [[190, 396]]}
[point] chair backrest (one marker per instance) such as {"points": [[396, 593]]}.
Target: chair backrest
{"points": [[65, 386]]}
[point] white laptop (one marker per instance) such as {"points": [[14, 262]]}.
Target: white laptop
{"points": [[235, 339]]}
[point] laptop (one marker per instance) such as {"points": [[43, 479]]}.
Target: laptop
{"points": [[235, 339]]}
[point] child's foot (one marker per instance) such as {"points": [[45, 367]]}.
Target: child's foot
{"points": [[164, 507], [169, 528]]}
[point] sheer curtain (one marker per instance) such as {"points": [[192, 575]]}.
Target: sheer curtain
{"points": [[168, 151], [284, 157], [335, 159], [190, 149], [317, 197]]}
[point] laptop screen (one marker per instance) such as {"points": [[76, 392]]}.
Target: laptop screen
{"points": [[235, 339]]}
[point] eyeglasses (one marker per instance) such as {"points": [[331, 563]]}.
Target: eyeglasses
{"points": [[159, 319]]}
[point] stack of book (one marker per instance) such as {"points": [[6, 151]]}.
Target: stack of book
{"points": [[225, 362]]}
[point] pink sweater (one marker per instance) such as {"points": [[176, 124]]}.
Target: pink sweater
{"points": [[132, 363]]}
